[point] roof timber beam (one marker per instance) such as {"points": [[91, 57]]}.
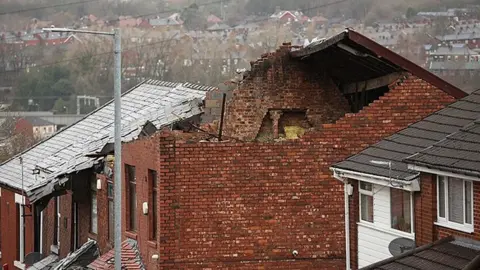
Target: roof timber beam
{"points": [[357, 87]]}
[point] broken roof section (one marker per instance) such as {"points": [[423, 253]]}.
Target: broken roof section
{"points": [[131, 259], [350, 58], [447, 253], [158, 102]]}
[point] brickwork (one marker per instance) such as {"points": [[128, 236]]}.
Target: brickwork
{"points": [[244, 204], [426, 213], [278, 82], [10, 226]]}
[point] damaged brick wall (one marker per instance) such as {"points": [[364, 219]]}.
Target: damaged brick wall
{"points": [[254, 203], [277, 82]]}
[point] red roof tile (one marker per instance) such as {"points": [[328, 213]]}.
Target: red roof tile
{"points": [[131, 259]]}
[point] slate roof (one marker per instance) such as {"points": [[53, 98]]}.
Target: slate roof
{"points": [[38, 122], [413, 139], [454, 65], [458, 152], [446, 254], [152, 100], [131, 259]]}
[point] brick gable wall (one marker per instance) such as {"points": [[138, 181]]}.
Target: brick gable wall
{"points": [[278, 82]]}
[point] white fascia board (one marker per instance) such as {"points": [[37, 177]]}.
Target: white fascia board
{"points": [[19, 199], [442, 173], [412, 185]]}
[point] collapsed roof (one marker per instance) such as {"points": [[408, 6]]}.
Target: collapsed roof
{"points": [[353, 60], [155, 102]]}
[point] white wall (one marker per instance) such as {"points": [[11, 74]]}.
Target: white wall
{"points": [[374, 238], [43, 132]]}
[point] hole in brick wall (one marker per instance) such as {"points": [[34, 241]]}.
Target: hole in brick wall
{"points": [[363, 98], [296, 118], [291, 122], [265, 134]]}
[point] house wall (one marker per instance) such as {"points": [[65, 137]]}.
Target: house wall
{"points": [[10, 227], [42, 132], [240, 202], [426, 213], [374, 238], [24, 127], [81, 195], [395, 110]]}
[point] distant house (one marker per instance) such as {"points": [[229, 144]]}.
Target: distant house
{"points": [[454, 52], [290, 16], [211, 19], [128, 21], [218, 27], [173, 20], [39, 128]]}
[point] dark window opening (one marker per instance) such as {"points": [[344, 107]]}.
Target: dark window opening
{"points": [[152, 182], [55, 222], [17, 234], [363, 98], [111, 213], [131, 197]]}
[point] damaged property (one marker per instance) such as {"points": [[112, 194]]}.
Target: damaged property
{"points": [[244, 186]]}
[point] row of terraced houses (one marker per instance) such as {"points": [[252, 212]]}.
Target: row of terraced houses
{"points": [[338, 155]]}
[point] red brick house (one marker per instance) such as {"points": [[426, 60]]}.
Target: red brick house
{"points": [[257, 200], [253, 201], [400, 193]]}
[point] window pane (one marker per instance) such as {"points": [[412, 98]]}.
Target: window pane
{"points": [[455, 200], [154, 225], [441, 197], [133, 207], [93, 220], [400, 210], [366, 186], [366, 207], [468, 202], [110, 190]]}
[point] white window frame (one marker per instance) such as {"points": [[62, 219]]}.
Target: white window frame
{"points": [[443, 221], [367, 193], [20, 200]]}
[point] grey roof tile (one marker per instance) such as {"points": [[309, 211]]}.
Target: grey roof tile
{"points": [[446, 254], [421, 135], [58, 153], [458, 152]]}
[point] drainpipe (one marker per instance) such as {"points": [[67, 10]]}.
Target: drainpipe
{"points": [[347, 218]]}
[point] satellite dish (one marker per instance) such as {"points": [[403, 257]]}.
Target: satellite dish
{"points": [[33, 258], [401, 245]]}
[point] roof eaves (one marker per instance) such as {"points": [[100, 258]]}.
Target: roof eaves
{"points": [[405, 64], [409, 253]]}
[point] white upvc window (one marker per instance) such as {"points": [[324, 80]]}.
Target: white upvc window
{"points": [[455, 203], [366, 201]]}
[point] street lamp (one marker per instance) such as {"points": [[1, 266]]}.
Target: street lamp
{"points": [[117, 129]]}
